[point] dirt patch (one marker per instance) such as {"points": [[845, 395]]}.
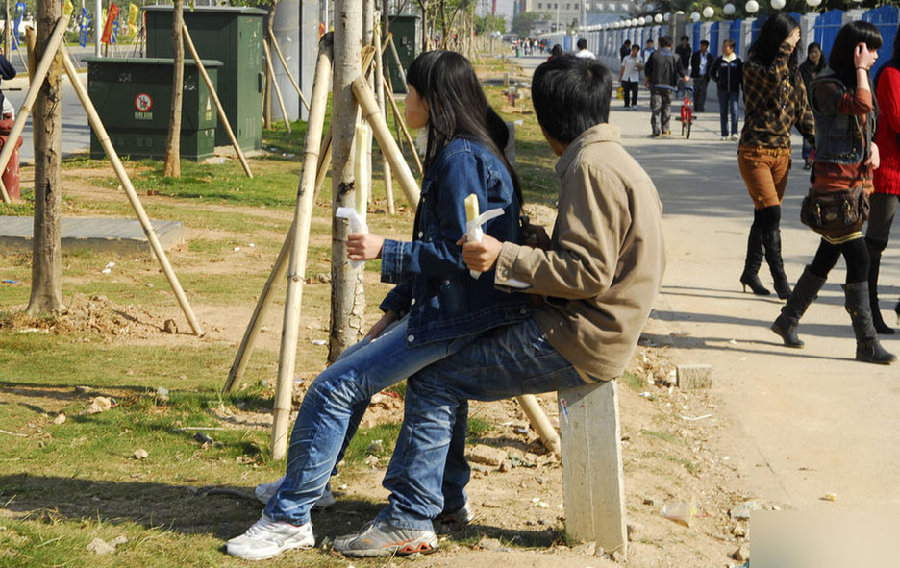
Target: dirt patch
{"points": [[94, 315]]}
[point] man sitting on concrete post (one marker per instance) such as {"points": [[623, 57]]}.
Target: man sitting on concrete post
{"points": [[594, 281]]}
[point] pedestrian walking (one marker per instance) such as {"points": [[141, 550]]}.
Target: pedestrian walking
{"points": [[630, 76], [663, 70], [886, 199], [701, 65], [7, 72], [838, 200], [625, 49], [774, 102], [649, 49], [684, 51], [583, 52], [809, 70], [557, 51], [727, 73]]}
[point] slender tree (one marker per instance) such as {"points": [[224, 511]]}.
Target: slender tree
{"points": [[46, 268], [346, 307], [172, 164]]}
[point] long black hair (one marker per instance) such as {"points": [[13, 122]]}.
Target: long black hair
{"points": [[773, 33], [841, 59], [894, 61], [817, 68], [457, 106]]}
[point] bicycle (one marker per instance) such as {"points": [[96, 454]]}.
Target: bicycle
{"points": [[687, 111]]}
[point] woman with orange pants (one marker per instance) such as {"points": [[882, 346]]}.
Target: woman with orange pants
{"points": [[775, 100]]}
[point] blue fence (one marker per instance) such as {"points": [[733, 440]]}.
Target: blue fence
{"points": [[826, 29]]}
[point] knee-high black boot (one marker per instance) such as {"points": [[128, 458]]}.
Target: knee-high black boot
{"points": [[856, 302], [753, 260], [771, 217], [798, 302], [875, 250]]}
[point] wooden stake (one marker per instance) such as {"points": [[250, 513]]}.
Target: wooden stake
{"points": [[379, 91], [398, 117], [299, 250], [37, 80], [541, 423], [271, 71], [390, 41], [388, 145], [103, 137], [287, 70], [215, 98]]}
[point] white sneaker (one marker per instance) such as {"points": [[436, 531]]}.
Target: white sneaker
{"points": [[268, 538], [724, 138], [734, 137], [264, 492]]}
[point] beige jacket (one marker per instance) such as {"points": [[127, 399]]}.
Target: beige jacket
{"points": [[604, 267]]}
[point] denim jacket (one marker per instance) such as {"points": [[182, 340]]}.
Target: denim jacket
{"points": [[840, 137], [433, 284]]}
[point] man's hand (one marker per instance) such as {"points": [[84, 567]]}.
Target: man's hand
{"points": [[387, 319], [364, 247], [480, 256]]}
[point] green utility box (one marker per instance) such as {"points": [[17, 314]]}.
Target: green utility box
{"points": [[407, 33], [234, 37], [134, 98]]}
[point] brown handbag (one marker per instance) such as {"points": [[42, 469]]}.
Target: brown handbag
{"points": [[835, 213]]}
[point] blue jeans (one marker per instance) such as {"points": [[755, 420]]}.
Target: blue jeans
{"points": [[506, 362], [728, 103], [333, 407]]}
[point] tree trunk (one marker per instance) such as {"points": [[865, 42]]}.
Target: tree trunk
{"points": [[172, 164], [346, 310], [46, 268], [7, 33]]}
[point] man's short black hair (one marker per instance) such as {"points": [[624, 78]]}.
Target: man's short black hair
{"points": [[570, 96], [685, 38], [627, 42], [704, 42], [582, 43], [650, 40], [665, 41]]}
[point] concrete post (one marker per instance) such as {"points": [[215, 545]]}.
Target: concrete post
{"points": [[306, 47], [746, 37], [807, 33]]}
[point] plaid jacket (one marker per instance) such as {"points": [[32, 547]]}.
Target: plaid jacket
{"points": [[773, 103]]}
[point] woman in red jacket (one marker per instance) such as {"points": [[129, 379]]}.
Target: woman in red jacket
{"points": [[886, 199]]}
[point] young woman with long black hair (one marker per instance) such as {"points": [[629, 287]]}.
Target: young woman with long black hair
{"points": [[838, 200], [809, 70], [774, 101], [886, 199], [435, 309]]}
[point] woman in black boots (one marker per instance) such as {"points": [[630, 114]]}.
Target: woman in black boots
{"points": [[838, 201], [774, 100], [886, 199]]}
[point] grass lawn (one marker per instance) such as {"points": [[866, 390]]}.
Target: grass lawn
{"points": [[63, 484]]}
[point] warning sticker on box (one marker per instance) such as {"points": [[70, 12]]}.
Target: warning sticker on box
{"points": [[143, 102]]}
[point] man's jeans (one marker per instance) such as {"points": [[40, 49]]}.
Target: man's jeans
{"points": [[503, 363], [728, 103], [333, 407], [660, 99]]}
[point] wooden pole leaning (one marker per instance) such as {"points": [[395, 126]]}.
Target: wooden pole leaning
{"points": [[215, 98], [389, 148], [287, 70], [398, 117], [538, 419], [270, 70], [298, 256], [103, 137], [25, 110], [379, 91], [390, 40]]}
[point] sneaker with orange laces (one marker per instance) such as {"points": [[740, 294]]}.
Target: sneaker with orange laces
{"points": [[381, 539]]}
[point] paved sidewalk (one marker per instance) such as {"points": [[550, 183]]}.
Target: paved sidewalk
{"points": [[803, 423]]}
